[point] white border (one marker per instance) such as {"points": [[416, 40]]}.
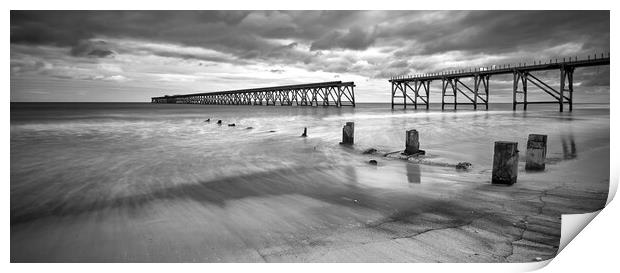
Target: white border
{"points": [[595, 249]]}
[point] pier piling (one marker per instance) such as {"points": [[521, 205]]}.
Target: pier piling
{"points": [[536, 152], [505, 163], [347, 133]]}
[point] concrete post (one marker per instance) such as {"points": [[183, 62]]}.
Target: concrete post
{"points": [[412, 144], [536, 152], [505, 163], [347, 133]]}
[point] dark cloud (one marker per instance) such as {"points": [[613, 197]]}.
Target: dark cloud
{"points": [[390, 72], [355, 38], [494, 32], [88, 48], [373, 44], [25, 67], [244, 34], [100, 53], [248, 34], [593, 76], [398, 64], [69, 27]]}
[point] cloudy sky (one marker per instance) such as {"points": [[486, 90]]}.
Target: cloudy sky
{"points": [[135, 55]]}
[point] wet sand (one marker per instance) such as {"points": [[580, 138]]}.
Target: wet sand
{"points": [[144, 184], [280, 216]]}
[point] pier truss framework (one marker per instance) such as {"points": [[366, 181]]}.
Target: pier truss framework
{"points": [[415, 90], [336, 93]]}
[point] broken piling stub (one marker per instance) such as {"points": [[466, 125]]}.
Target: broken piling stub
{"points": [[536, 152], [505, 163], [305, 134], [347, 133], [412, 143]]}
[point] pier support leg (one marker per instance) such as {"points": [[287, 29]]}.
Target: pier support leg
{"points": [[416, 85], [443, 93], [505, 163], [486, 91], [536, 152], [569, 77], [338, 96], [515, 84], [524, 83], [404, 88], [428, 91], [393, 95], [476, 87], [353, 96], [562, 87], [347, 133], [454, 87]]}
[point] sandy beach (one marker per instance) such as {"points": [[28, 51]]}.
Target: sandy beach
{"points": [[295, 199]]}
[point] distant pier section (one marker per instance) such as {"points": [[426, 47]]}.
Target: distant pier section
{"points": [[472, 85], [335, 93]]}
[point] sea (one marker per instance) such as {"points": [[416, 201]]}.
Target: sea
{"points": [[165, 182]]}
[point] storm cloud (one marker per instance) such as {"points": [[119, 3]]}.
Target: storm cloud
{"points": [[207, 50]]}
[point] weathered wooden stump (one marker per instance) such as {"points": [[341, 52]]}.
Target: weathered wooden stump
{"points": [[536, 152], [305, 134], [347, 133], [505, 163], [412, 143]]}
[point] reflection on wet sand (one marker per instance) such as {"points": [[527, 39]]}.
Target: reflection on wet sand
{"points": [[413, 173], [569, 152], [330, 185]]}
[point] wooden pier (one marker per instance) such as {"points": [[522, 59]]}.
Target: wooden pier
{"points": [[336, 93], [414, 90]]}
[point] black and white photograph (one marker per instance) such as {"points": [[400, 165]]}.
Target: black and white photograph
{"points": [[305, 136]]}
